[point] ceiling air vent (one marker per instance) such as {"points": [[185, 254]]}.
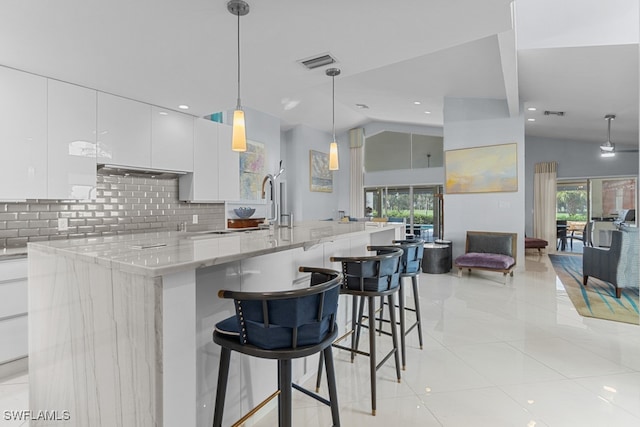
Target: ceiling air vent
{"points": [[318, 61], [554, 113]]}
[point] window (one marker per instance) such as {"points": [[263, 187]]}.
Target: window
{"points": [[397, 150], [415, 205]]}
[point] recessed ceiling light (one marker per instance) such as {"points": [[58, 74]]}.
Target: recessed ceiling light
{"points": [[531, 108], [531, 120], [183, 107], [163, 113], [416, 102], [427, 112], [362, 106]]}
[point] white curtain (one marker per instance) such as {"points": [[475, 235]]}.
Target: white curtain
{"points": [[544, 203], [356, 181]]}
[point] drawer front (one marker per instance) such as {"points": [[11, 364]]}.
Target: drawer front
{"points": [[13, 269], [13, 298], [13, 335]]}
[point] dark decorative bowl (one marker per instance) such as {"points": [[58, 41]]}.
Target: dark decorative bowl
{"points": [[244, 212]]}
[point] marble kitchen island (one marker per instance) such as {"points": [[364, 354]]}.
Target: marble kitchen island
{"points": [[120, 327]]}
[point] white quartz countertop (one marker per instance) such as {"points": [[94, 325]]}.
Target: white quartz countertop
{"points": [[159, 253]]}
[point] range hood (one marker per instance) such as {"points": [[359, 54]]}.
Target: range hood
{"points": [[119, 170]]}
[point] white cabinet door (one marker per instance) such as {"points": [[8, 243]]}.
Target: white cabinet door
{"points": [[23, 135], [202, 184], [171, 140], [71, 142], [228, 166], [13, 309], [124, 131]]}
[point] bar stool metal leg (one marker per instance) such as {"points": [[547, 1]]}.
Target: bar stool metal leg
{"points": [[394, 336], [402, 324], [333, 389], [221, 391], [372, 351], [416, 298], [284, 368]]}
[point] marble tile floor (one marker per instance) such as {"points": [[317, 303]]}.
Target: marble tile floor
{"points": [[494, 355]]}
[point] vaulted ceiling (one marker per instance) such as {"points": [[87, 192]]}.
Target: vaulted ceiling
{"points": [[573, 56]]}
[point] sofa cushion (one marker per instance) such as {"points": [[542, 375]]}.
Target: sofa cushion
{"points": [[485, 260], [490, 244]]}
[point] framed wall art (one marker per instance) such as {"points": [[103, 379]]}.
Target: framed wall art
{"points": [[320, 177], [488, 169]]}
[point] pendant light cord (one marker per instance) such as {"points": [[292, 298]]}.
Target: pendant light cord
{"points": [[333, 104], [238, 107]]}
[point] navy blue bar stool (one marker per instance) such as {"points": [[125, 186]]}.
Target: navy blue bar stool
{"points": [[410, 262], [282, 326], [365, 278]]}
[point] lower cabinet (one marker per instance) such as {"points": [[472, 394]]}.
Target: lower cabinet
{"points": [[13, 310]]}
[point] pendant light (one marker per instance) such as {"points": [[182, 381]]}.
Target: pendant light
{"points": [[239, 133], [608, 149], [333, 147]]}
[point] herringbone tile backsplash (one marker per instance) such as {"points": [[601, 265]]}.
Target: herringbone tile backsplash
{"points": [[123, 205]]}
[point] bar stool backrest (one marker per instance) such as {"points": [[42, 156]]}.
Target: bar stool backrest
{"points": [[412, 256], [371, 273], [288, 319]]}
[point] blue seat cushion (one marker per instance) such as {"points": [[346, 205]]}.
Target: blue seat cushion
{"points": [[274, 336]]}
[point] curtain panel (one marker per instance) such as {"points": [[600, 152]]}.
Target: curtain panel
{"points": [[544, 203]]}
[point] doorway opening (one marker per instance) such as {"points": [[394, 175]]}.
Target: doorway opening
{"points": [[417, 206]]}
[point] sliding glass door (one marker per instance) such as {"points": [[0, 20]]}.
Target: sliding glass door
{"points": [[416, 205]]}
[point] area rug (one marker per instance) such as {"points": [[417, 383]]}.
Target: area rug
{"points": [[598, 298]]}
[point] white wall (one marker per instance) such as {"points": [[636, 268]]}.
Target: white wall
{"points": [[576, 159], [474, 123], [305, 204]]}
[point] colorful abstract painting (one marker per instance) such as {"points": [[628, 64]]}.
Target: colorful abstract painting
{"points": [[488, 169], [252, 171], [320, 177]]}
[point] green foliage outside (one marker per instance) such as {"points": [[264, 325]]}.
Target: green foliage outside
{"points": [[419, 217], [571, 205]]}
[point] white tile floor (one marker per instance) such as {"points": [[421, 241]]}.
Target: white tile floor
{"points": [[494, 355]]}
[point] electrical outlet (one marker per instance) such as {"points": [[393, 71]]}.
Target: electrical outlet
{"points": [[195, 219], [63, 224]]}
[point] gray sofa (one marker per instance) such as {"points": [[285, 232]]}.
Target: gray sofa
{"points": [[489, 250], [618, 264]]}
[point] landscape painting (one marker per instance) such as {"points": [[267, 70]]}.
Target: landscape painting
{"points": [[488, 169], [320, 177], [252, 170]]}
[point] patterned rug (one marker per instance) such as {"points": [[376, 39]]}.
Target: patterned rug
{"points": [[598, 299]]}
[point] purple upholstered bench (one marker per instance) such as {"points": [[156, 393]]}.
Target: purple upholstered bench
{"points": [[535, 243], [486, 250]]}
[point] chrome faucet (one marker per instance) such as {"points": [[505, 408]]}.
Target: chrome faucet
{"points": [[273, 194], [273, 209]]}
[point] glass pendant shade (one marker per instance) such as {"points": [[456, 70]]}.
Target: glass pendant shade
{"points": [[333, 156], [239, 133]]}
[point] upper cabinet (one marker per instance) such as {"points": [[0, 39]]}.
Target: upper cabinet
{"points": [[171, 140], [216, 168], [23, 135], [71, 141], [228, 166], [124, 131]]}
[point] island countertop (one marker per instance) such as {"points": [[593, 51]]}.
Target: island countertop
{"points": [[155, 254]]}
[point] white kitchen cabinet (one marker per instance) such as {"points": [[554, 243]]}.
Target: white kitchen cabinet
{"points": [[71, 153], [171, 140], [23, 135], [13, 309], [216, 170], [228, 166], [202, 184], [124, 131]]}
